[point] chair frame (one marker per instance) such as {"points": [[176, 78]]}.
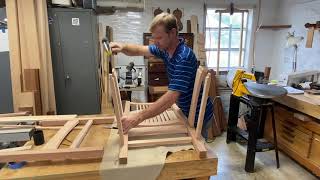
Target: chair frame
{"points": [[170, 122]]}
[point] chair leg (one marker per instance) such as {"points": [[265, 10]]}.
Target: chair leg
{"points": [[275, 136]]}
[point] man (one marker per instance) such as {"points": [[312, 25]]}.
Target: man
{"points": [[181, 65]]}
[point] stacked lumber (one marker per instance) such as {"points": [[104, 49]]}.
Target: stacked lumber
{"points": [[219, 123], [30, 57], [199, 45]]}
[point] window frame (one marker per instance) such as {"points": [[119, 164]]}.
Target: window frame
{"points": [[244, 30]]}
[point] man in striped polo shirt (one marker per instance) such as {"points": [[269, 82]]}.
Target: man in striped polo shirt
{"points": [[181, 65]]}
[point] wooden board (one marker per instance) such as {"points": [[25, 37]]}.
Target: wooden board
{"points": [[46, 76], [54, 142], [310, 37], [29, 41], [52, 154], [16, 149], [76, 143], [15, 53], [23, 113], [38, 118], [146, 131], [203, 106]]}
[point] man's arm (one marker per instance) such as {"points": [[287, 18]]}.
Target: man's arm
{"points": [[130, 49], [162, 104]]}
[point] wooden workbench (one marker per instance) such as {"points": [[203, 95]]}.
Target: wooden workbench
{"points": [[179, 165], [298, 129]]}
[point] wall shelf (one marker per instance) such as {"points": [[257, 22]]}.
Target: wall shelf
{"points": [[275, 27]]}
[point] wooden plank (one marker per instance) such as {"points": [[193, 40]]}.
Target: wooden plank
{"points": [[147, 131], [76, 143], [52, 154], [150, 123], [194, 24], [159, 142], [32, 81], [82, 120], [15, 51], [29, 41], [201, 74], [56, 140], [117, 105], [123, 153], [203, 105], [16, 149], [45, 54], [163, 119], [24, 113], [310, 37], [27, 102], [37, 118]]}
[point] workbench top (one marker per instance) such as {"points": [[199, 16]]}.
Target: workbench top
{"points": [[300, 103], [178, 165]]}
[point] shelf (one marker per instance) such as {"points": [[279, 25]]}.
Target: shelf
{"points": [[275, 26]]}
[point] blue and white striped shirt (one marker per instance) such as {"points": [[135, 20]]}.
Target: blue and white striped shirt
{"points": [[182, 69]]}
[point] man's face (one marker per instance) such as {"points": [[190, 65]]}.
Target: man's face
{"points": [[162, 39]]}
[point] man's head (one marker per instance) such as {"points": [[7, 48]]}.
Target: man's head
{"points": [[164, 30]]}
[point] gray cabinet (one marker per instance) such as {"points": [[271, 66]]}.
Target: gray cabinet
{"points": [[6, 101], [74, 48]]}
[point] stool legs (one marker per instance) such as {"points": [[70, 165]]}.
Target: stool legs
{"points": [[275, 136]]}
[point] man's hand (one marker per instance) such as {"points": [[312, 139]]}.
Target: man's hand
{"points": [[116, 47], [130, 121]]}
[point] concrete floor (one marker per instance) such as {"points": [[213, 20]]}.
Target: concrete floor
{"points": [[231, 161]]}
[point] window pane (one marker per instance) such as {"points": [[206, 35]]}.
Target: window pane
{"points": [[225, 20], [235, 40], [211, 39], [236, 20], [223, 59], [212, 20], [224, 42], [234, 58], [212, 58]]}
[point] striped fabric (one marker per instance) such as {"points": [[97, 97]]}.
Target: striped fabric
{"points": [[181, 69]]}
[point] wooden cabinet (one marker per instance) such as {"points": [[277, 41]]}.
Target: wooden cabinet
{"points": [[157, 77], [295, 137], [157, 73], [315, 150]]}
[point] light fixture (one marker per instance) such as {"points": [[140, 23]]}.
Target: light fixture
{"points": [[293, 41]]}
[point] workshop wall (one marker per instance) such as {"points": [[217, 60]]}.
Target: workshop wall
{"points": [[297, 13]]}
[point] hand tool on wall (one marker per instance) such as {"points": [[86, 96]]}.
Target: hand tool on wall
{"points": [[311, 28]]}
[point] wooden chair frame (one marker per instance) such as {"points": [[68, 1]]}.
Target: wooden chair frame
{"points": [[170, 122]]}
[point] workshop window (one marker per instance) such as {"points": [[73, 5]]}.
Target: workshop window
{"points": [[226, 39]]}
